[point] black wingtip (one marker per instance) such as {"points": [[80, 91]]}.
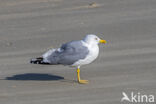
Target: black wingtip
{"points": [[38, 60]]}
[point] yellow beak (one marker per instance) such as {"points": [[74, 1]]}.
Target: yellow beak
{"points": [[103, 41]]}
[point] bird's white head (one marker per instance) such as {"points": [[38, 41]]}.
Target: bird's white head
{"points": [[93, 39]]}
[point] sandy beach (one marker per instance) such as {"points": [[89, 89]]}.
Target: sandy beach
{"points": [[127, 63]]}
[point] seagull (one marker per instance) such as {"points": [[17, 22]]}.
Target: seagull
{"points": [[73, 53]]}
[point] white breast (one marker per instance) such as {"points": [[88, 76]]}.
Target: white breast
{"points": [[93, 54]]}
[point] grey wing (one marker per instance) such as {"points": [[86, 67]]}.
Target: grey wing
{"points": [[69, 53]]}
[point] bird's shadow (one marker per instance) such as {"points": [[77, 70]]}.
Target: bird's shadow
{"points": [[35, 77]]}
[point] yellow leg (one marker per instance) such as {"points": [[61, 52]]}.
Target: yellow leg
{"points": [[79, 79]]}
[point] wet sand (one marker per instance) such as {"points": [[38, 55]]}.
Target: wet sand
{"points": [[127, 63]]}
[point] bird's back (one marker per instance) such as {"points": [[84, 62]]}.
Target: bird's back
{"points": [[68, 54]]}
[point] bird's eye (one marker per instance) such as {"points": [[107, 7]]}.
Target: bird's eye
{"points": [[96, 38]]}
